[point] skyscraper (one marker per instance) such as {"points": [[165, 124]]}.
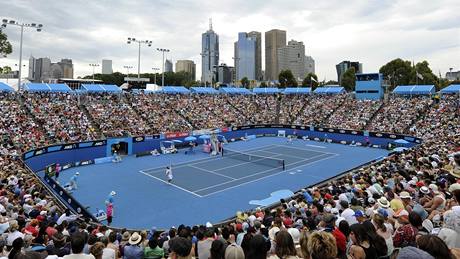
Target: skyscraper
{"points": [[292, 57], [107, 67], [42, 70], [343, 66], [168, 66], [257, 36], [274, 39], [209, 55], [224, 74], [186, 66], [309, 64], [245, 56]]}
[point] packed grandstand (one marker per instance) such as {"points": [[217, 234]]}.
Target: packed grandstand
{"points": [[407, 203]]}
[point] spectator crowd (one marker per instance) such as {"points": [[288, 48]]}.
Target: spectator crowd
{"points": [[404, 206]]}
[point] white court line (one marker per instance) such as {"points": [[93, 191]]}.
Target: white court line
{"points": [[250, 162], [202, 160], [159, 179], [211, 172], [255, 180], [265, 171], [306, 149], [315, 146], [286, 155]]}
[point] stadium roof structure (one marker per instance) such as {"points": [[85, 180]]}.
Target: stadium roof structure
{"points": [[234, 90], [265, 90], [96, 88], [297, 90], [174, 90], [451, 89], [329, 89], [414, 89], [204, 90], [5, 88], [43, 87]]}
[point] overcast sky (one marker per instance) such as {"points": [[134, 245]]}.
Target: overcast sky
{"points": [[370, 31]]}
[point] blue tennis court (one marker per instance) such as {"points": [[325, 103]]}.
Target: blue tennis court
{"points": [[213, 175], [209, 187]]}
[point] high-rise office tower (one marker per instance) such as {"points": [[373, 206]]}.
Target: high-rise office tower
{"points": [[209, 55], [274, 39]]}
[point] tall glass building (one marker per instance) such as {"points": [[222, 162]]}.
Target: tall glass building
{"points": [[209, 55], [245, 50]]}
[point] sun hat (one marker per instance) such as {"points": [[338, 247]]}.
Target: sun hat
{"points": [[335, 211], [135, 239], [125, 236], [404, 195], [424, 190], [400, 212], [454, 187], [113, 193], [434, 188], [383, 202], [295, 234]]}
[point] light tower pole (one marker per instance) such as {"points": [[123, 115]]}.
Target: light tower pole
{"points": [[93, 66], [36, 26], [148, 43], [155, 69], [163, 72]]}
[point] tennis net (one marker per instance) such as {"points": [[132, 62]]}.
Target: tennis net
{"points": [[261, 160]]}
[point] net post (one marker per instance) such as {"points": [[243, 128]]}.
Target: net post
{"points": [[284, 167]]}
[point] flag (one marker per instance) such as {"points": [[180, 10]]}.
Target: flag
{"points": [[313, 79], [419, 76]]}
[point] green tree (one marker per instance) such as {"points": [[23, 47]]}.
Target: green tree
{"points": [[263, 84], [428, 77], [245, 82], [398, 72], [5, 45], [349, 79], [307, 82], [286, 78], [5, 70]]}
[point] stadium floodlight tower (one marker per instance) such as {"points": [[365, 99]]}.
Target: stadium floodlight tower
{"points": [[38, 27], [163, 72], [93, 66], [148, 43], [155, 69]]}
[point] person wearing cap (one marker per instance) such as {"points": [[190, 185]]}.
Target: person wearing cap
{"points": [[359, 215], [133, 249], [438, 202], [330, 227], [72, 185], [406, 200]]}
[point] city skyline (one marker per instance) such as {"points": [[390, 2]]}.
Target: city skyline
{"points": [[332, 31]]}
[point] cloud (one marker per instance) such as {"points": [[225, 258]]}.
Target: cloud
{"points": [[372, 32]]}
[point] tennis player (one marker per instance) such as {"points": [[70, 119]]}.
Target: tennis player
{"points": [[169, 174]]}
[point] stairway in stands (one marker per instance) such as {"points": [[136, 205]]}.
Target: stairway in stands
{"points": [[379, 110], [94, 124], [29, 113], [420, 116]]}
